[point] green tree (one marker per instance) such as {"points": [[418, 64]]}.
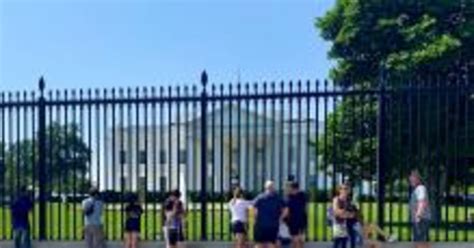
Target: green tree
{"points": [[67, 160], [412, 39]]}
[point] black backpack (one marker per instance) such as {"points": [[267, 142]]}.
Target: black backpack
{"points": [[89, 209]]}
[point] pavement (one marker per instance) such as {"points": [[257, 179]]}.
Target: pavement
{"points": [[61, 244]]}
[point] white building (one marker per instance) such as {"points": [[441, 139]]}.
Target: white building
{"points": [[243, 147]]}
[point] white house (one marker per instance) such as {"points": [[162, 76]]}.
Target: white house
{"points": [[243, 147]]}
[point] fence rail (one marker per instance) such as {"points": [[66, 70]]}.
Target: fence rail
{"points": [[206, 140]]}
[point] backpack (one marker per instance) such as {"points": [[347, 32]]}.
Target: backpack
{"points": [[329, 216], [88, 210]]}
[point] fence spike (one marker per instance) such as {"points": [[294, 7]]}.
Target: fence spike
{"points": [[204, 78], [41, 84]]}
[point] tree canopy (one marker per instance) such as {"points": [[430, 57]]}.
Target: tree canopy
{"points": [[67, 160], [405, 39]]}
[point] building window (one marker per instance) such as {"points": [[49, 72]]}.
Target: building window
{"points": [[163, 183], [210, 156], [293, 154], [123, 182], [123, 157], [235, 156], [162, 157], [142, 184], [183, 157], [142, 157], [260, 154]]}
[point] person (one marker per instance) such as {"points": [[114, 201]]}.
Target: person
{"points": [[239, 208], [174, 220], [270, 211], [133, 213], [297, 215], [352, 221], [420, 213], [93, 207], [340, 216], [20, 209]]}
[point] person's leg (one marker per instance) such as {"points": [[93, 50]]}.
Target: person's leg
{"points": [[340, 243], [26, 239], [272, 245], [344, 242], [336, 243], [239, 239], [421, 234], [95, 237], [135, 236], [98, 237], [127, 240], [88, 237], [16, 238], [258, 237], [180, 238], [352, 235], [172, 238], [301, 240]]}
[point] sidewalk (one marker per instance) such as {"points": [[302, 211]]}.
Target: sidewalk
{"points": [[59, 244]]}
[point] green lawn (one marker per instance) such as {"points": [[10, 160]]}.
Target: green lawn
{"points": [[65, 222]]}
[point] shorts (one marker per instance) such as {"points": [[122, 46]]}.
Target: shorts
{"points": [[285, 242], [421, 231], [132, 225], [266, 234], [239, 227], [297, 228], [174, 236]]}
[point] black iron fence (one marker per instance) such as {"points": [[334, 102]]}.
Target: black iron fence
{"points": [[206, 140]]}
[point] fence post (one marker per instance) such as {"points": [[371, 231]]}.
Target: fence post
{"points": [[204, 100], [381, 152], [42, 160]]}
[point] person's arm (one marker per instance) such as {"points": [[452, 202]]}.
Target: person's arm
{"points": [[338, 211], [285, 210], [231, 203], [255, 204], [284, 213]]}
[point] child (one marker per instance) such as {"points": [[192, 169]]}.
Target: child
{"points": [[132, 226]]}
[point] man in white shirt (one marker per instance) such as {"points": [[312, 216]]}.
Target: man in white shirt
{"points": [[420, 213], [92, 208]]}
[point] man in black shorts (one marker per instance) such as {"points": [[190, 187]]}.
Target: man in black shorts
{"points": [[297, 216], [270, 210]]}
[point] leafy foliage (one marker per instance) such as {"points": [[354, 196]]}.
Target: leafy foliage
{"points": [[67, 160], [412, 39]]}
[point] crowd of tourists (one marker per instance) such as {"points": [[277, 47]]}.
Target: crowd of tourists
{"points": [[280, 220]]}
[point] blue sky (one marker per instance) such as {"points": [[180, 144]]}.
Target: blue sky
{"points": [[105, 43]]}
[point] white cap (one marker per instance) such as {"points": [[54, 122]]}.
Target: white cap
{"points": [[269, 185]]}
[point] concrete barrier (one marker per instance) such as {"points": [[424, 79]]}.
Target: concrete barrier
{"points": [[60, 244]]}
